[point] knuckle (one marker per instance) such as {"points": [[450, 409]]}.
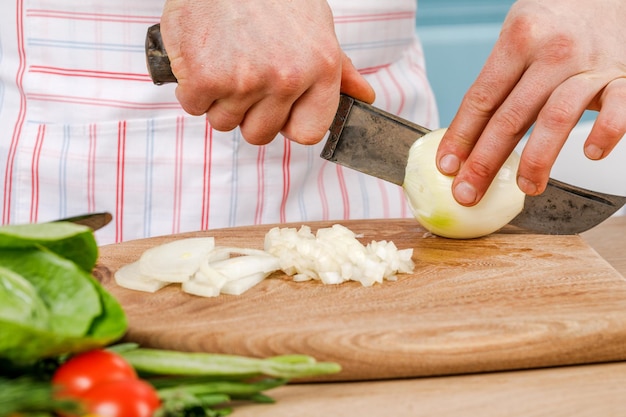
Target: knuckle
{"points": [[480, 168], [519, 28], [290, 81], [534, 165], [303, 136], [511, 122], [557, 116], [479, 100], [611, 129], [256, 137], [222, 120]]}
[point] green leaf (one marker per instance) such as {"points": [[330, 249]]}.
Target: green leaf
{"points": [[82, 314], [66, 289], [71, 241], [20, 302]]}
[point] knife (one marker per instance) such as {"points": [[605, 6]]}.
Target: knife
{"points": [[367, 139], [94, 221]]}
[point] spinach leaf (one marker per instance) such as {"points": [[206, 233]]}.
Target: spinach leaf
{"points": [[64, 288], [20, 302], [71, 241], [50, 304]]}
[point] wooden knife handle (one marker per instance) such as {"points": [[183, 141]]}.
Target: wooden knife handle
{"points": [[156, 57]]}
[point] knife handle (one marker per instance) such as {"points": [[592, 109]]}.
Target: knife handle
{"points": [[156, 57]]}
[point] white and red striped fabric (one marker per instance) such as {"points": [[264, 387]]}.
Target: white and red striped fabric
{"points": [[83, 129]]}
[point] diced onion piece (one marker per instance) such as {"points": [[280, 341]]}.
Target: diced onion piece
{"points": [[241, 285], [429, 193], [203, 289], [176, 261], [209, 275], [334, 255], [129, 276]]}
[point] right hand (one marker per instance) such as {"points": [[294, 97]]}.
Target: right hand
{"points": [[268, 67]]}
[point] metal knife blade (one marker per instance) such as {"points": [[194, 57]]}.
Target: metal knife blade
{"points": [[377, 143], [94, 221]]}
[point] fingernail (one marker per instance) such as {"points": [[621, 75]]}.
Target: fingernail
{"points": [[465, 193], [527, 186], [593, 152], [449, 164]]}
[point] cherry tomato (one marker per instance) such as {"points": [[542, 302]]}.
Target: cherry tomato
{"points": [[124, 398], [86, 370]]}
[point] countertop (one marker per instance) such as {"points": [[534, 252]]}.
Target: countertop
{"points": [[585, 390]]}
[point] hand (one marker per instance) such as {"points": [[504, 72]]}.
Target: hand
{"points": [[552, 61], [263, 65]]}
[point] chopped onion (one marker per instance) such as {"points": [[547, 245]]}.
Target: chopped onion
{"points": [[429, 193], [333, 256]]}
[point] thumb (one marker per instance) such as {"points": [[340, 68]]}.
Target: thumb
{"points": [[353, 83]]}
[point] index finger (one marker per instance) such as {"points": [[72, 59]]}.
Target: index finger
{"points": [[500, 74]]}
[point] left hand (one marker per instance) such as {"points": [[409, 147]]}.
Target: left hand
{"points": [[552, 61]]}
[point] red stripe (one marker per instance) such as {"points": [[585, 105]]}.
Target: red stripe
{"points": [[70, 72], [375, 17], [258, 215], [19, 124], [322, 191], [104, 102], [400, 91], [34, 193], [384, 196], [121, 162], [372, 70], [421, 75], [344, 192], [91, 169], [206, 189], [100, 17], [286, 178], [178, 174], [385, 93]]}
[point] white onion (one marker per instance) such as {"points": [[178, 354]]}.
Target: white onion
{"points": [[333, 255], [175, 261], [429, 193]]}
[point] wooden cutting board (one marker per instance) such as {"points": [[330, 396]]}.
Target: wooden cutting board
{"points": [[510, 300]]}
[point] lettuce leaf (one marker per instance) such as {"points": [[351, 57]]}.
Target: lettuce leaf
{"points": [[50, 304], [70, 241]]}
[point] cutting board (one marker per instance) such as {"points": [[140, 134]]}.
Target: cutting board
{"points": [[511, 300]]}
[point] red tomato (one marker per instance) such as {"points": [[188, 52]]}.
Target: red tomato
{"points": [[124, 398], [89, 369]]}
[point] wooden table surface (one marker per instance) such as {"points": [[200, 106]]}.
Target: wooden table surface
{"points": [[587, 390]]}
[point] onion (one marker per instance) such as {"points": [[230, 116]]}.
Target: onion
{"points": [[429, 193], [175, 261], [333, 255]]}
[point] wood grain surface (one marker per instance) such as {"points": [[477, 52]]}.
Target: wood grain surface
{"points": [[507, 301], [575, 391]]}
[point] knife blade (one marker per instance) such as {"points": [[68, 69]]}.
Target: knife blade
{"points": [[370, 140], [377, 143], [94, 221]]}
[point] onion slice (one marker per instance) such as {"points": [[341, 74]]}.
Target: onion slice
{"points": [[176, 261], [130, 276]]}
